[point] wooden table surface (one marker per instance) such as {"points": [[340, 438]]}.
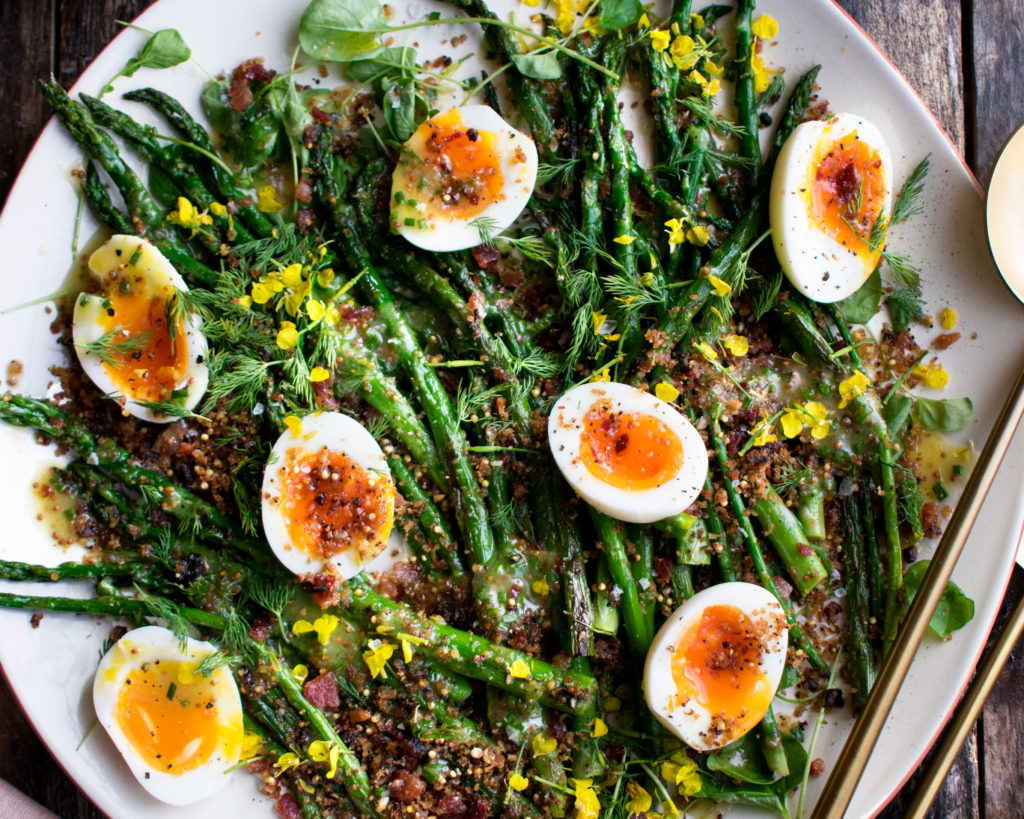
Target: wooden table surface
{"points": [[964, 57]]}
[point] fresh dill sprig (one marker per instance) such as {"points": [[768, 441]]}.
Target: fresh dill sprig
{"points": [[269, 595], [160, 608], [116, 344], [162, 548], [236, 377], [468, 403], [171, 409], [532, 247], [766, 297], [217, 659], [905, 306], [792, 477], [908, 200], [561, 170], [634, 293], [152, 494], [701, 109], [773, 92]]}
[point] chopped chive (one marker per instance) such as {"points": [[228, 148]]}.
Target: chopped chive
{"points": [[940, 491], [134, 258], [958, 469], [171, 689], [410, 222], [399, 197]]}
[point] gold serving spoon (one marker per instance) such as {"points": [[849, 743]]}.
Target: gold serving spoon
{"points": [[1005, 225]]}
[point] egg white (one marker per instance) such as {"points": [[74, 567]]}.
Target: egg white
{"points": [[565, 425], [114, 258], [146, 645], [815, 263], [518, 157], [335, 432], [691, 721]]}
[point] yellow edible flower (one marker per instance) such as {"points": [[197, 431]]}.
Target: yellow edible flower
{"points": [[599, 319], [698, 234], [408, 641], [792, 422], [625, 239], [676, 232], [712, 88], [666, 392], [721, 288], [291, 276], [542, 744], [644, 21], [294, 425], [324, 626], [300, 672], [697, 20], [765, 27], [682, 772], [518, 782], [325, 277], [947, 318], [251, 745], [639, 799], [321, 751], [682, 52], [762, 74], [318, 374], [850, 388], [737, 345], [697, 78], [587, 805], [705, 349], [376, 657], [817, 419], [244, 302], [261, 293], [599, 729], [188, 216], [604, 375], [660, 40], [712, 69], [217, 209], [762, 433], [932, 374], [315, 309], [286, 761], [266, 200], [287, 336], [668, 808], [541, 587], [520, 669], [532, 3]]}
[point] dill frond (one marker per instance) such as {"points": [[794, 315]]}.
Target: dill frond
{"points": [[116, 344]]}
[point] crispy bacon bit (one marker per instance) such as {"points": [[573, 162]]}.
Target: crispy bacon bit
{"points": [[324, 395], [357, 315], [931, 519], [304, 190], [37, 618], [320, 115], [817, 766], [240, 93], [486, 256], [406, 787], [322, 691], [946, 340], [287, 807], [262, 626]]}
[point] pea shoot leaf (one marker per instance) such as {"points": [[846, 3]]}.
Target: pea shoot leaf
{"points": [[862, 305], [539, 66], [955, 609], [342, 30], [741, 760], [619, 14], [397, 62], [164, 49], [944, 414]]}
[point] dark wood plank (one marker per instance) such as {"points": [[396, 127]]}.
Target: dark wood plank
{"points": [[83, 29], [923, 40], [26, 56], [996, 84]]}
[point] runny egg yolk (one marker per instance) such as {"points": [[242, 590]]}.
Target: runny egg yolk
{"points": [[455, 171], [847, 192], [331, 504], [717, 662], [629, 450], [169, 714], [146, 363]]}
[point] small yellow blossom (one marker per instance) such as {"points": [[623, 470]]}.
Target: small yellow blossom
{"points": [[520, 669], [599, 319], [217, 209], [625, 239], [764, 27], [666, 392], [712, 69], [682, 772], [377, 655], [587, 805], [660, 40], [320, 751], [604, 375], [762, 74], [286, 761], [188, 216], [698, 234], [532, 3], [599, 729], [318, 374], [712, 88], [287, 336], [792, 421], [518, 782], [251, 745], [697, 21], [947, 318], [676, 232], [325, 277], [300, 672], [541, 587], [291, 276], [324, 626], [187, 673], [644, 21], [315, 309], [762, 433], [261, 293], [737, 345], [850, 388], [639, 799], [294, 425], [697, 78], [542, 744], [817, 419], [683, 53], [669, 809], [408, 641], [932, 374], [705, 350], [244, 302], [721, 288], [266, 200]]}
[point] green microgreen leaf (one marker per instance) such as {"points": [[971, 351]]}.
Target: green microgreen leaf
{"points": [[943, 414], [955, 609]]}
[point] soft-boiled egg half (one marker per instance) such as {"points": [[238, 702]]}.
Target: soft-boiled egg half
{"points": [[626, 452], [832, 180], [130, 339], [328, 497], [463, 165], [715, 664], [179, 731]]}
